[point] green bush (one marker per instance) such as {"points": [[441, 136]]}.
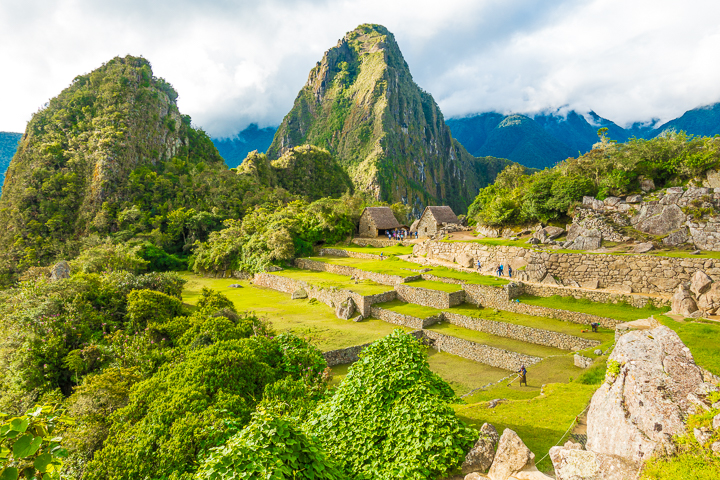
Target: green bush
{"points": [[391, 416], [269, 447], [148, 306]]}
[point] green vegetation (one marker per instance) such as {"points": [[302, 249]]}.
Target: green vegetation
{"points": [[540, 421], [517, 198], [700, 338], [440, 286], [618, 311], [461, 374], [331, 280], [402, 427]]}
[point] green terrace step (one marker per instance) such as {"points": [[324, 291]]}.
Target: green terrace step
{"points": [[333, 280]]}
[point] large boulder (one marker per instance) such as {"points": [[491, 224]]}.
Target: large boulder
{"points": [[638, 410], [513, 459], [548, 233], [700, 283], [464, 260], [59, 271], [643, 247], [683, 302], [346, 309], [571, 462], [677, 237], [710, 300], [646, 184], [481, 456], [670, 218], [585, 240], [300, 293]]}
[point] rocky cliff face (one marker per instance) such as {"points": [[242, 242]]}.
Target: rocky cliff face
{"points": [[361, 103]]}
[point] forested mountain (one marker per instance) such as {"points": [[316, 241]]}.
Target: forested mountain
{"points": [[8, 146], [235, 149], [362, 105], [544, 139]]}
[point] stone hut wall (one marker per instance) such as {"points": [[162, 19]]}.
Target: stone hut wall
{"points": [[384, 279], [537, 336], [429, 298], [402, 319], [643, 273], [427, 226], [367, 227], [495, 357]]}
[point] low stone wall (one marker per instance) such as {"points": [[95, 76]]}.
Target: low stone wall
{"points": [[638, 301], [384, 279], [495, 357], [328, 296], [339, 252], [642, 273], [429, 298], [343, 356], [537, 336], [404, 320], [377, 242]]}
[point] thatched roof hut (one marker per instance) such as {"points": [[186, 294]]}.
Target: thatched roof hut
{"points": [[375, 221]]}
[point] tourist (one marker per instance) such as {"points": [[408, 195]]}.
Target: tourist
{"points": [[523, 375], [595, 326], [381, 256], [509, 271], [479, 266], [501, 270]]}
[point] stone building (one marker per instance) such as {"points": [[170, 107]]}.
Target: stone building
{"points": [[432, 219], [376, 221]]}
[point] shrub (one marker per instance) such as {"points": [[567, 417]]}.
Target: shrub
{"points": [[148, 306]]}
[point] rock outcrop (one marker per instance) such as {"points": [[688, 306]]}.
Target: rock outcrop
{"points": [[571, 462], [346, 309], [635, 413], [683, 302], [482, 454], [513, 460], [59, 271], [585, 240]]}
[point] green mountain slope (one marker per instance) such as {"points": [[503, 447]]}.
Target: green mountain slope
{"points": [[362, 105], [704, 121], [8, 146], [113, 140]]}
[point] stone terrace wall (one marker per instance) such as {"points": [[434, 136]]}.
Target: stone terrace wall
{"points": [[376, 242], [328, 296], [644, 273], [429, 298], [343, 356], [495, 357], [381, 278], [338, 252], [404, 320], [639, 301], [519, 332]]}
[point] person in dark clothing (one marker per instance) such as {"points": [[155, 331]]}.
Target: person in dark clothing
{"points": [[595, 326], [523, 375], [509, 271]]}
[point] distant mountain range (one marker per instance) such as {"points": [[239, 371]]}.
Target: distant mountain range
{"points": [[8, 146], [235, 149], [542, 140]]}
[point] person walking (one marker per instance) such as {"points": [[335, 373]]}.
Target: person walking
{"points": [[509, 271], [523, 375], [501, 270], [479, 266]]}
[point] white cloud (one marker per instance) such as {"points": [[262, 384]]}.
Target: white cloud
{"points": [[237, 62]]}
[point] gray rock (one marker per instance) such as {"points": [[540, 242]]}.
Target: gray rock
{"points": [[630, 415], [634, 199], [643, 247], [674, 190], [571, 462], [682, 302], [235, 285], [553, 232], [464, 260], [712, 180], [598, 352], [646, 184], [612, 201], [359, 318], [474, 476], [591, 284], [677, 238], [533, 241], [695, 252], [273, 268], [480, 457], [586, 240], [59, 271], [346, 309], [511, 457], [702, 435], [716, 422], [298, 294], [700, 282], [489, 431], [582, 361], [550, 280], [494, 403], [715, 447], [671, 218]]}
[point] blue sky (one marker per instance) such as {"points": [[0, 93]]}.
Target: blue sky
{"points": [[236, 62]]}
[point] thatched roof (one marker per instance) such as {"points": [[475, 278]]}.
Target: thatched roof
{"points": [[413, 227], [382, 217], [442, 214]]}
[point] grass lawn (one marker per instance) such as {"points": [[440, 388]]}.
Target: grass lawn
{"points": [[390, 266], [702, 339], [540, 421], [332, 280], [311, 319], [394, 250], [554, 325], [496, 341], [430, 285], [617, 311], [469, 277], [411, 309]]}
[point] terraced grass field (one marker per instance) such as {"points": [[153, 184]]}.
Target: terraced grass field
{"points": [[332, 280], [624, 312]]}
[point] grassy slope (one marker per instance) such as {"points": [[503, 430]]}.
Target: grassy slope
{"points": [[618, 311], [314, 320], [332, 280], [702, 339], [409, 309]]}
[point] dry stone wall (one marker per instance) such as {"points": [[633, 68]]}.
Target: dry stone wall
{"points": [[381, 278], [429, 298], [343, 356], [339, 252], [520, 332], [641, 273], [328, 296], [402, 319], [495, 357], [375, 242]]}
